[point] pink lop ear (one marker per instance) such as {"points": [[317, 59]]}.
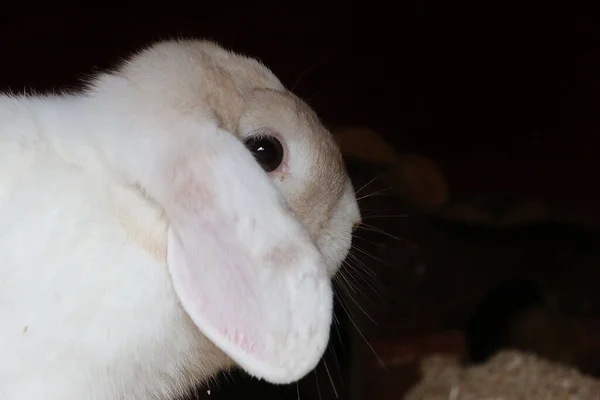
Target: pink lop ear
{"points": [[244, 268]]}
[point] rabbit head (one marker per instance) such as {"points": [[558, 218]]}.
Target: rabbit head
{"points": [[246, 99], [260, 207]]}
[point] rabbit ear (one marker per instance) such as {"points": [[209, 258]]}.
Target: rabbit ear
{"points": [[244, 268]]}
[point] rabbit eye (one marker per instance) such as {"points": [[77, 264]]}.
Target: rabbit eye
{"points": [[267, 150]]}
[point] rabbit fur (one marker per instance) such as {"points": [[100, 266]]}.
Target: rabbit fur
{"points": [[142, 247]]}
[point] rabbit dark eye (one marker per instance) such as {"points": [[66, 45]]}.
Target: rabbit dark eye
{"points": [[267, 150]]}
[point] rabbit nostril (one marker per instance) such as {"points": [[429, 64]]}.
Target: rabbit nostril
{"points": [[356, 225]]}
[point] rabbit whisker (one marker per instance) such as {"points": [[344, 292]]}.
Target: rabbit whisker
{"points": [[361, 267], [347, 311], [318, 387], [361, 308], [330, 380], [376, 193], [372, 228], [356, 272], [355, 236], [348, 284], [366, 184], [368, 276], [386, 216], [337, 329], [374, 257], [337, 362]]}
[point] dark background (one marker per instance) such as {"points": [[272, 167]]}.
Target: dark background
{"points": [[503, 95]]}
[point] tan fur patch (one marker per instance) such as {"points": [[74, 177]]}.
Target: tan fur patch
{"points": [[154, 242], [149, 235], [282, 255]]}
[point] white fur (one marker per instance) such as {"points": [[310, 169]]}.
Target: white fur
{"points": [[88, 309]]}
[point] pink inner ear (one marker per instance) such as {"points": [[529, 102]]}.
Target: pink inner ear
{"points": [[220, 290], [270, 314]]}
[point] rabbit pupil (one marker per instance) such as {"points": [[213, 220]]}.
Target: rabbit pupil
{"points": [[267, 150]]}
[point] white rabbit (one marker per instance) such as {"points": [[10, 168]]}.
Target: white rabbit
{"points": [[142, 246]]}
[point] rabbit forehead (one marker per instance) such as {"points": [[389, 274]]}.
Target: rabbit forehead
{"points": [[181, 63], [197, 76]]}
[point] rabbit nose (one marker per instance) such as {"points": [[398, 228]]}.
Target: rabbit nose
{"points": [[356, 225]]}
